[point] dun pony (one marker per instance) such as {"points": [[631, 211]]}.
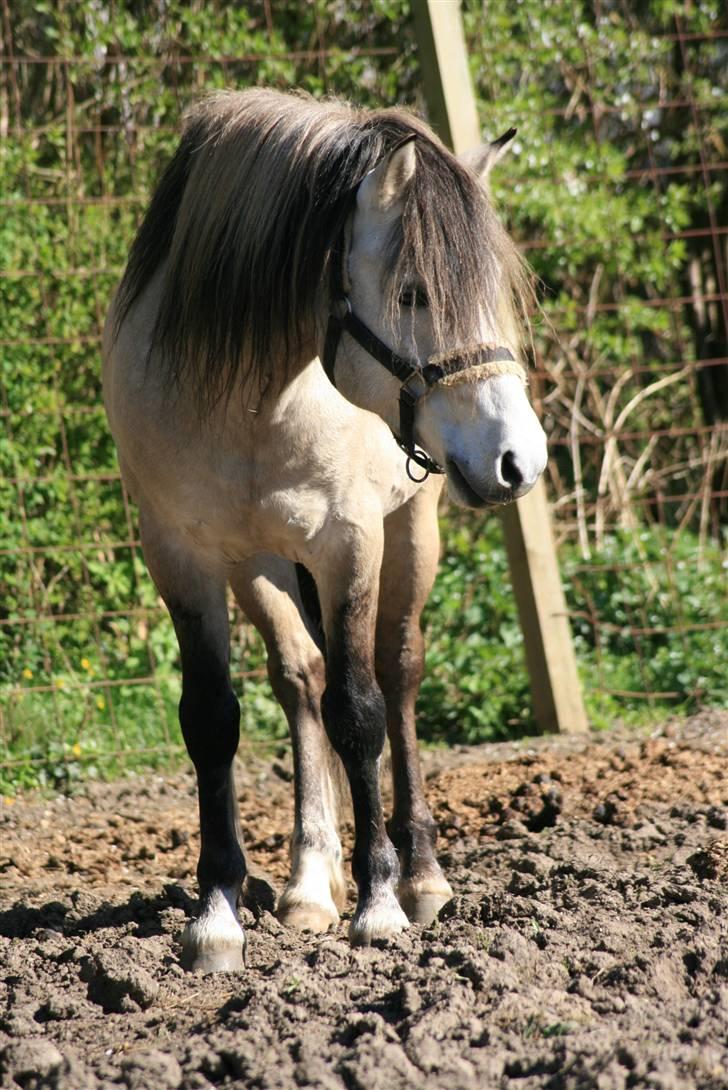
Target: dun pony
{"points": [[314, 287]]}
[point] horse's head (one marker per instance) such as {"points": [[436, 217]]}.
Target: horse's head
{"points": [[429, 278]]}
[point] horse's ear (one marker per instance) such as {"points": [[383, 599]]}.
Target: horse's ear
{"points": [[482, 160], [384, 188]]}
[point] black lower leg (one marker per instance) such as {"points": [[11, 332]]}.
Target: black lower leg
{"points": [[209, 717], [415, 842], [354, 716], [412, 827]]}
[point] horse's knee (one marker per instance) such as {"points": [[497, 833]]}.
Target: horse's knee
{"points": [[354, 715]]}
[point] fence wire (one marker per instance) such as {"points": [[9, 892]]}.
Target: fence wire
{"points": [[636, 414]]}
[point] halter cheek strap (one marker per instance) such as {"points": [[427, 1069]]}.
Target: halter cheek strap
{"points": [[417, 379]]}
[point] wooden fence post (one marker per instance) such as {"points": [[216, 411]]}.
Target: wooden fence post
{"points": [[555, 688]]}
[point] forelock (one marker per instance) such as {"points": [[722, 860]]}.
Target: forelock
{"points": [[450, 242]]}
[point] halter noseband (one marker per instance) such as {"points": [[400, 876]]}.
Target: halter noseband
{"points": [[417, 379]]}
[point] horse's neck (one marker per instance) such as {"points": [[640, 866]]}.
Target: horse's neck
{"points": [[308, 413], [339, 441], [306, 401], [306, 418]]}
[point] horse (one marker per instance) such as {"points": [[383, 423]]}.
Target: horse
{"points": [[319, 323]]}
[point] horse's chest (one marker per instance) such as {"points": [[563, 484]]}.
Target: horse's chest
{"points": [[236, 518]]}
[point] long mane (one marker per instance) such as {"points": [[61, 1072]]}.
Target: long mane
{"points": [[251, 207]]}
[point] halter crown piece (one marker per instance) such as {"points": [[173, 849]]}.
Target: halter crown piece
{"points": [[417, 379]]}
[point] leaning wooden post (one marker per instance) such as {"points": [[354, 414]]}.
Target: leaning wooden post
{"points": [[555, 688]]}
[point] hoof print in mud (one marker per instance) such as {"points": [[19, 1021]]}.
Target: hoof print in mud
{"points": [[537, 803], [710, 862], [151, 1068], [259, 895], [117, 986]]}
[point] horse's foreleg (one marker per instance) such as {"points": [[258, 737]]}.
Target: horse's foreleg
{"points": [[267, 590], [411, 551], [209, 717], [355, 720]]}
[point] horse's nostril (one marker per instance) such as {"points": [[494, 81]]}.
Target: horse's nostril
{"points": [[509, 470]]}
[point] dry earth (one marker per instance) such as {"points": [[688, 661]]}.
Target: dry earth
{"points": [[587, 944]]}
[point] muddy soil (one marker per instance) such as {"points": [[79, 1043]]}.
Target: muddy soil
{"points": [[586, 946]]}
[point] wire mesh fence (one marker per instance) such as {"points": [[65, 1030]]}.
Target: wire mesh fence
{"points": [[617, 193]]}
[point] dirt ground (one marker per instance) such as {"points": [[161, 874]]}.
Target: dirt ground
{"points": [[586, 946]]}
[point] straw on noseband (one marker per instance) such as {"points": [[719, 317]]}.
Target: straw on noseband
{"points": [[477, 372]]}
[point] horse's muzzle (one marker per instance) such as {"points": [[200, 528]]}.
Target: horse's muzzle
{"points": [[464, 493]]}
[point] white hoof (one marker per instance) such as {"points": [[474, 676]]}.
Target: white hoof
{"points": [[215, 942], [314, 894], [305, 916], [380, 919], [423, 898]]}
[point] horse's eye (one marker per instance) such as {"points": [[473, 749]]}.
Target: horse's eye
{"points": [[413, 297]]}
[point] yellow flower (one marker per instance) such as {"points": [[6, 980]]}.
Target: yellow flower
{"points": [[85, 664], [76, 749], [9, 800], [100, 703], [59, 683], [27, 673]]}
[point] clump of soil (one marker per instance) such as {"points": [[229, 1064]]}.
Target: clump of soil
{"points": [[586, 946]]}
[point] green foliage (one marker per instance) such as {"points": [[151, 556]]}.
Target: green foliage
{"points": [[475, 686], [88, 661], [610, 109], [648, 616]]}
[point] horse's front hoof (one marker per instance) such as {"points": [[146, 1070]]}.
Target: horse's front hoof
{"points": [[308, 917], [422, 899], [215, 942], [315, 892], [223, 959], [380, 919]]}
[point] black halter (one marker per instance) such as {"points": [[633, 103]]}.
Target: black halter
{"points": [[417, 379]]}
